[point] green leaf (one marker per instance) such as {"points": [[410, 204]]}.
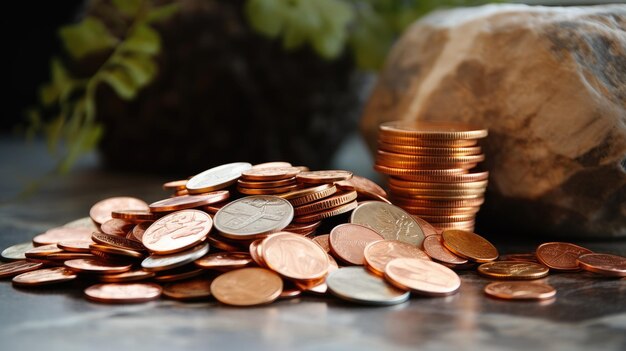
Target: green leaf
{"points": [[265, 16], [120, 80], [128, 7], [162, 13], [141, 68], [143, 39], [60, 86], [89, 36], [371, 39]]}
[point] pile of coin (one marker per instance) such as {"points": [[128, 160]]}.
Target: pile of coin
{"points": [[429, 164]]}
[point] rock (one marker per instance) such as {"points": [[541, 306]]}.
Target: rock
{"points": [[549, 83]]}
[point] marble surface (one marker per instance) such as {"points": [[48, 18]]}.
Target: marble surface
{"points": [[589, 312]]}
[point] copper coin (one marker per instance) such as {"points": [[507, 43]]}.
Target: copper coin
{"points": [[418, 173], [269, 174], [64, 256], [178, 274], [224, 260], [130, 276], [379, 253], [176, 185], [139, 230], [134, 216], [605, 264], [42, 251], [275, 164], [101, 211], [97, 266], [435, 249], [348, 241], [415, 192], [116, 251], [323, 177], [253, 216], [331, 212], [411, 202], [12, 269], [308, 195], [85, 222], [433, 130], [195, 289], [440, 211], [44, 276], [361, 185], [454, 225], [520, 290], [318, 286], [118, 227], [216, 178], [513, 270], [156, 263], [266, 184], [413, 141], [16, 252], [391, 222], [189, 201], [294, 257], [325, 204], [452, 177], [218, 242], [519, 257], [427, 228], [177, 231], [469, 245], [81, 246], [355, 284], [323, 241], [117, 241], [290, 290], [214, 207], [395, 194], [268, 191], [301, 228], [429, 151], [123, 293], [254, 253], [247, 287], [422, 276], [560, 256], [401, 183], [437, 162], [55, 235]]}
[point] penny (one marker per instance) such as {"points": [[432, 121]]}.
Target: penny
{"points": [[130, 276], [115, 226], [294, 256], [435, 249], [416, 192], [139, 230], [42, 251], [520, 257], [308, 195], [254, 253], [134, 216], [355, 284], [428, 160], [429, 151], [177, 231], [513, 270], [391, 222], [12, 269], [413, 141], [440, 211], [253, 216], [319, 286], [469, 245], [16, 252], [605, 264], [323, 241], [247, 287], [416, 174], [44, 276], [85, 222], [195, 289], [117, 241], [323, 177], [275, 164], [401, 183], [267, 191], [55, 235], [422, 276], [216, 178], [81, 246], [176, 185], [97, 266], [448, 177], [433, 130], [266, 184], [178, 274], [409, 202], [64, 256], [290, 290], [301, 228], [361, 185], [378, 254], [348, 241], [123, 293], [455, 225], [427, 228], [224, 260], [101, 211], [560, 256], [163, 262], [325, 204], [520, 290], [116, 251], [331, 212], [189, 201], [269, 174]]}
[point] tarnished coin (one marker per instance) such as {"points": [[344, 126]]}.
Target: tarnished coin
{"points": [[55, 235], [294, 256], [422, 276], [117, 241], [605, 264], [391, 222], [435, 249], [195, 289], [116, 226], [189, 201], [164, 262], [130, 276], [469, 245], [97, 266], [216, 178], [355, 284], [101, 211], [560, 256], [513, 270], [348, 242], [224, 260], [42, 251], [247, 287], [323, 177], [44, 277], [16, 252], [12, 269], [520, 290], [433, 130], [177, 231], [135, 216], [123, 293], [269, 174], [379, 253], [323, 241], [253, 216]]}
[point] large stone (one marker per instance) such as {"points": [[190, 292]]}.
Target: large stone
{"points": [[549, 83]]}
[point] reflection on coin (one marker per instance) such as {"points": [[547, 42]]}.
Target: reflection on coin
{"points": [[55, 235], [163, 262], [331, 212], [435, 249], [605, 264], [520, 290], [253, 216], [421, 276], [42, 251], [101, 211], [378, 254], [195, 289], [76, 245], [390, 221], [513, 270], [97, 266], [115, 251], [177, 231], [130, 276], [348, 242], [294, 256], [216, 178], [123, 293], [327, 203], [176, 185], [361, 185], [16, 252], [44, 277], [308, 195], [12, 269], [135, 216], [469, 245], [323, 177], [560, 256], [355, 284], [247, 287], [189, 201], [224, 260]]}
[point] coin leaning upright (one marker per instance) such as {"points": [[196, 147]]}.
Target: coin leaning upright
{"points": [[390, 221]]}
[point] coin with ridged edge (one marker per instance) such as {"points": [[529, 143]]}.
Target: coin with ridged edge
{"points": [[216, 178], [12, 269], [327, 203], [323, 177], [430, 151], [433, 130], [308, 195], [331, 212], [355, 284]]}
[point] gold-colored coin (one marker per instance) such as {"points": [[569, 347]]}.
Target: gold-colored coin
{"points": [[401, 183], [513, 270], [450, 197], [434, 220], [455, 225], [323, 177], [451, 177], [377, 254], [308, 195], [469, 245], [294, 257], [414, 192], [247, 287], [429, 151], [318, 216], [266, 184], [325, 204], [433, 130], [413, 141], [418, 174]]}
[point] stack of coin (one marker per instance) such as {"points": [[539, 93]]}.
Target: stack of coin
{"points": [[428, 164], [268, 181]]}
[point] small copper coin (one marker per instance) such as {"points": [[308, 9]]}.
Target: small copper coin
{"points": [[247, 287], [414, 173], [189, 201], [81, 246], [253, 217], [115, 251], [117, 241], [139, 230], [254, 253], [274, 164], [42, 251], [448, 177], [220, 243], [269, 174], [155, 263], [178, 274], [348, 242], [115, 226], [195, 289], [308, 195], [123, 293], [266, 184], [97, 266], [413, 141], [391, 222], [216, 178], [294, 256], [469, 245], [130, 276], [435, 249], [44, 277], [441, 211], [331, 212], [323, 177], [323, 241], [422, 276], [433, 130], [177, 231], [401, 183], [325, 204], [301, 228], [355, 284], [16, 252], [378, 254], [176, 185], [12, 269], [427, 228], [513, 270], [101, 211], [520, 290], [361, 185], [64, 256], [560, 256], [415, 202], [224, 260], [429, 151], [605, 264], [55, 235], [135, 216]]}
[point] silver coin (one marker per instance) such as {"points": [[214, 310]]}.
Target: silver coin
{"points": [[216, 178], [253, 216], [355, 284], [163, 262], [16, 252], [391, 222]]}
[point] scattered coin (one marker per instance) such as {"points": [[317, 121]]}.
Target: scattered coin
{"points": [[195, 289], [605, 264], [379, 253], [469, 245], [523, 257], [275, 164], [75, 245], [117, 241], [513, 270], [189, 201], [355, 284], [101, 211], [123, 293], [97, 266], [216, 178], [294, 257], [135, 216], [16, 252], [177, 231], [115, 251], [323, 241], [163, 262], [422, 276], [348, 242], [435, 249], [520, 290], [42, 251], [224, 260], [560, 256], [12, 269], [247, 287], [44, 276], [390, 221], [130, 276]]}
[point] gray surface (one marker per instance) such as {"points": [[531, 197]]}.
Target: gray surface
{"points": [[589, 313]]}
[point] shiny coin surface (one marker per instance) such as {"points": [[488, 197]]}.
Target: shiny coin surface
{"points": [[355, 284], [16, 252], [130, 276], [42, 251], [361, 185], [274, 164], [139, 230], [267, 191], [605, 264], [427, 228], [560, 256], [422, 276], [176, 185], [443, 177], [117, 241], [115, 251], [177, 231], [164, 262], [216, 178], [115, 226], [123, 293], [97, 266], [378, 254], [189, 201], [391, 222], [55, 235], [435, 249], [269, 174], [247, 287], [224, 260], [44, 276], [323, 241], [101, 211], [331, 212], [253, 216], [469, 245], [429, 151], [433, 130], [308, 195], [513, 270], [266, 184], [294, 256], [327, 203], [195, 289], [76, 246], [348, 242], [135, 216], [12, 269], [323, 177], [520, 290]]}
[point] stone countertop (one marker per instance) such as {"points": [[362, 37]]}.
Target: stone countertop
{"points": [[589, 312]]}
